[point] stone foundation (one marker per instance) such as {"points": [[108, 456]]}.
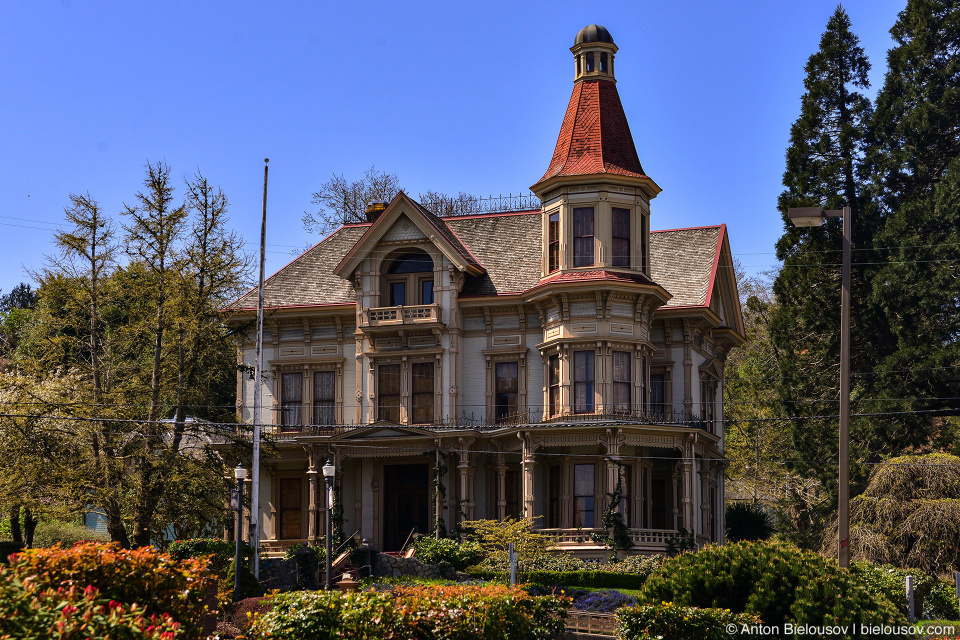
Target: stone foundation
{"points": [[387, 565]]}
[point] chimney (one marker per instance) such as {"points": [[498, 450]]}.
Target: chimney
{"points": [[374, 209]]}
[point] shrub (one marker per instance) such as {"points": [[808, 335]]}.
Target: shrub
{"points": [[66, 534], [8, 548], [142, 576], [29, 610], [249, 586], [445, 551], [941, 602], [774, 581], [746, 522], [668, 620], [494, 536], [424, 612], [890, 582]]}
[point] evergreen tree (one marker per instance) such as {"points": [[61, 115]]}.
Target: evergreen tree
{"points": [[825, 165], [917, 168]]}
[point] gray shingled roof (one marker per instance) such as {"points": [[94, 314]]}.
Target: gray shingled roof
{"points": [[309, 279], [507, 246], [681, 261]]}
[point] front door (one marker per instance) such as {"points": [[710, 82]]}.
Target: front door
{"points": [[406, 503]]}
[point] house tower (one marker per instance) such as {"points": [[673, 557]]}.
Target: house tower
{"points": [[595, 193]]}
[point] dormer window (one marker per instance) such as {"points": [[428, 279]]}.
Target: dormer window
{"points": [[409, 280], [583, 244]]}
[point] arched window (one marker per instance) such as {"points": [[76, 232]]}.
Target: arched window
{"points": [[409, 280]]}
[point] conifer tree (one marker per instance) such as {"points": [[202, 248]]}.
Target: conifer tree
{"points": [[917, 167], [825, 163]]}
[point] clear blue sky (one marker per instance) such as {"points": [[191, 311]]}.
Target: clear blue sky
{"points": [[451, 97]]}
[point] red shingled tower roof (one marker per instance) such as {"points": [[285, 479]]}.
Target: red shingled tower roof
{"points": [[595, 137]]}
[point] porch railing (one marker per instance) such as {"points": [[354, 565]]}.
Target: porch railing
{"points": [[601, 624], [639, 537]]}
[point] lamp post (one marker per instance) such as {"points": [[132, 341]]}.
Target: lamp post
{"points": [[240, 474], [328, 471], [814, 217]]}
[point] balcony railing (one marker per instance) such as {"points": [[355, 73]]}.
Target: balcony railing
{"points": [[306, 420], [400, 315]]}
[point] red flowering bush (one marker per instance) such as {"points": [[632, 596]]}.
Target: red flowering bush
{"points": [[422, 613], [154, 581], [29, 610]]}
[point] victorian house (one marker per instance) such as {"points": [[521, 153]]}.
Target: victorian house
{"points": [[508, 364]]}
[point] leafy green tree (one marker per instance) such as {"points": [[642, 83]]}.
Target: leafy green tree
{"points": [[154, 363]]}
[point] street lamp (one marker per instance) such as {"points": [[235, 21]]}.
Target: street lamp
{"points": [[240, 474], [813, 217], [328, 471]]}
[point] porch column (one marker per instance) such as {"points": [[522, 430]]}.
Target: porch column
{"points": [[613, 473], [467, 505], [437, 498], [529, 463], [675, 478], [689, 521], [312, 522], [501, 487], [704, 473]]}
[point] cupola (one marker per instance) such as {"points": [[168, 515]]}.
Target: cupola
{"points": [[595, 194], [593, 51]]}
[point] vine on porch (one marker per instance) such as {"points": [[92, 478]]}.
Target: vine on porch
{"points": [[440, 526], [619, 537]]}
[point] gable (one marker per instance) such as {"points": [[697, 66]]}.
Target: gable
{"points": [[420, 221], [403, 229]]}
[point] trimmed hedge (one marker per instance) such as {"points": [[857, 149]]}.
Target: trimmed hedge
{"points": [[220, 552], [592, 579], [668, 620], [425, 613], [778, 582]]}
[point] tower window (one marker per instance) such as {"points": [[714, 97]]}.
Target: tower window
{"points": [[578, 65], [621, 238], [583, 381], [553, 250], [621, 381], [583, 237], [554, 385], [590, 65], [603, 62]]}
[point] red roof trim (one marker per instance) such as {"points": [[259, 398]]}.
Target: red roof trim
{"points": [[716, 263]]}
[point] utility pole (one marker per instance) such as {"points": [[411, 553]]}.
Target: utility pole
{"points": [[257, 400]]}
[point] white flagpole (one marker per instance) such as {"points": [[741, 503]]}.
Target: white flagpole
{"points": [[255, 471]]}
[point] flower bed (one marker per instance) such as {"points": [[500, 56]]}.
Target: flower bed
{"points": [[668, 620]]}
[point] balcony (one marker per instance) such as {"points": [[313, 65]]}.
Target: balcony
{"points": [[419, 314]]}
